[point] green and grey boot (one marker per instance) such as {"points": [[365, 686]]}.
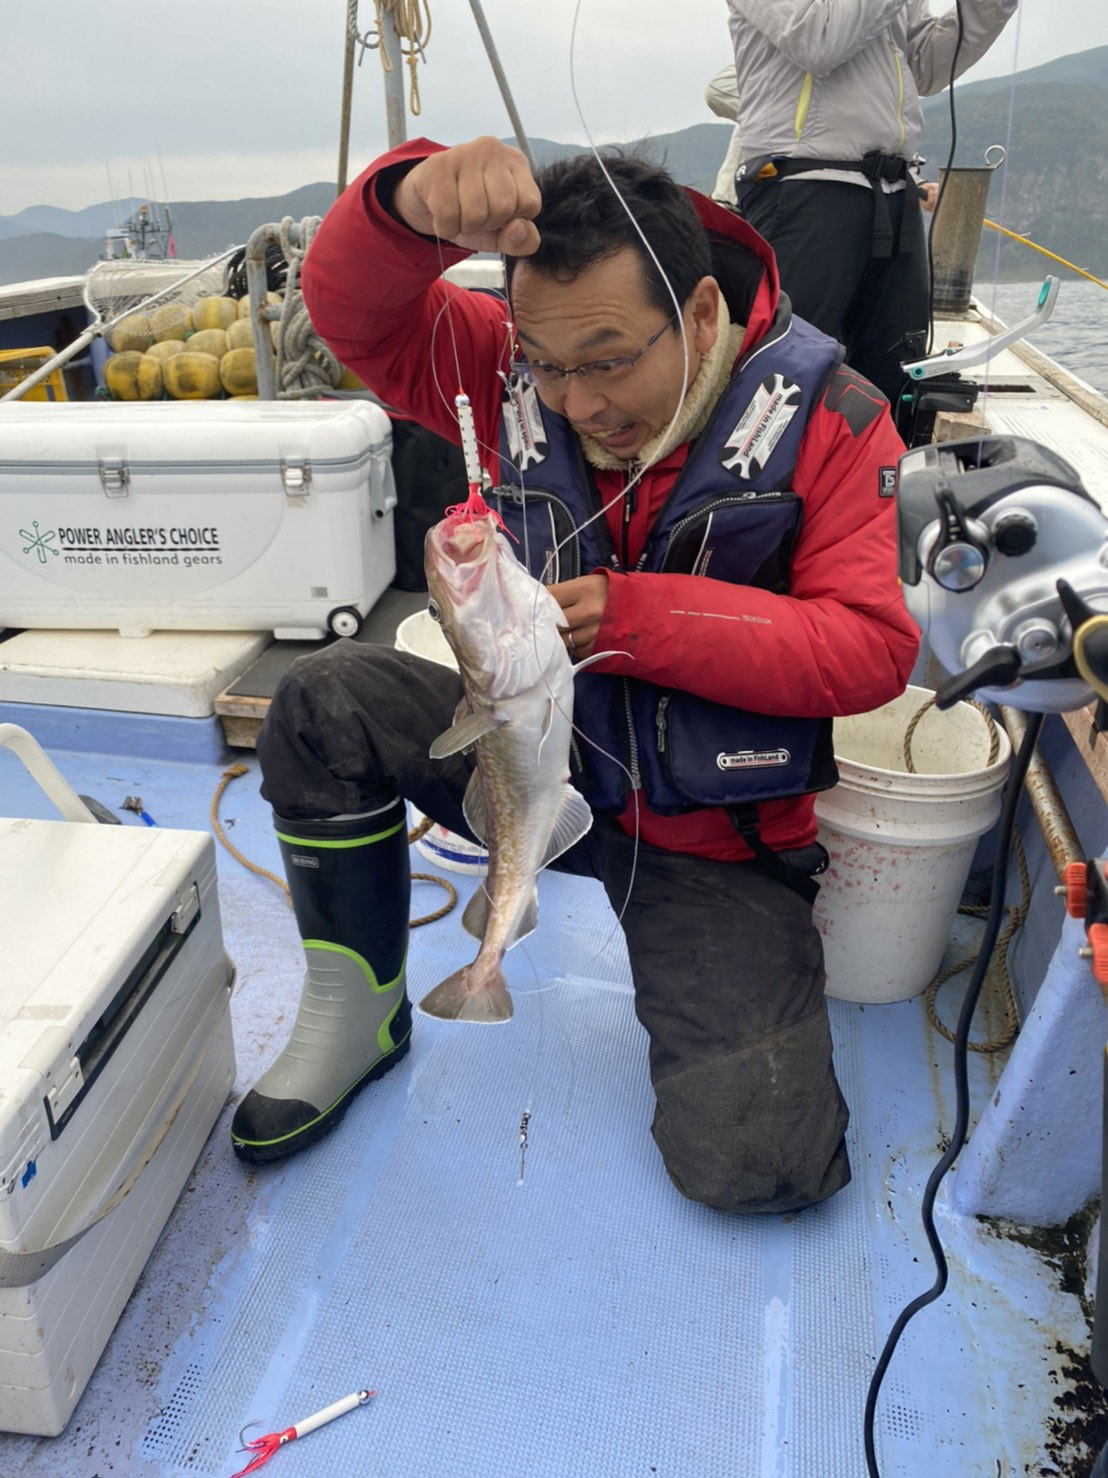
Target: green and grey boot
{"points": [[351, 891]]}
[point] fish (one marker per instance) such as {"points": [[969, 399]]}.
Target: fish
{"points": [[516, 711]]}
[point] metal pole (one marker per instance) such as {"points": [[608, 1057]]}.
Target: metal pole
{"points": [[1058, 830], [501, 80], [347, 93], [265, 360], [394, 80]]}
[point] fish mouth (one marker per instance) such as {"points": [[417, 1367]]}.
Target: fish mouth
{"points": [[461, 556]]}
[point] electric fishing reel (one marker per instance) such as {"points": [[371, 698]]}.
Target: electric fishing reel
{"points": [[1004, 564]]}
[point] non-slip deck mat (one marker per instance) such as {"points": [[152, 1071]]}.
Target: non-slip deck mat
{"points": [[589, 1322], [261, 678]]}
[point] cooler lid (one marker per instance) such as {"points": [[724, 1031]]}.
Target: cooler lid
{"points": [[75, 435], [79, 906]]}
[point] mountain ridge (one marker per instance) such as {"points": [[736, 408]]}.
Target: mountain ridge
{"points": [[1054, 188]]}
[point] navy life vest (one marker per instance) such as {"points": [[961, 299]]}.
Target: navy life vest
{"points": [[731, 516]]}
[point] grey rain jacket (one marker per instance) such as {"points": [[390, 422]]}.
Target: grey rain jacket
{"points": [[835, 79]]}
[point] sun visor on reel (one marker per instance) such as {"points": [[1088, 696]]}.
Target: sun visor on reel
{"points": [[1002, 557]]}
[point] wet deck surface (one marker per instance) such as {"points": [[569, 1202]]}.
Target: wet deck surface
{"points": [[587, 1321]]}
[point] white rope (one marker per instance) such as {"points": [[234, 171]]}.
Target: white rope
{"points": [[305, 365], [411, 20]]}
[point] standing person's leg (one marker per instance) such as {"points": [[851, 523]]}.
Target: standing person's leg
{"points": [[893, 305], [821, 232], [728, 971], [345, 743]]}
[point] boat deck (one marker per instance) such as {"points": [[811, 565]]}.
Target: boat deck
{"points": [[582, 1319]]}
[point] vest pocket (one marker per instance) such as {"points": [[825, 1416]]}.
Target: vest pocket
{"points": [[544, 532], [743, 541], [709, 754]]}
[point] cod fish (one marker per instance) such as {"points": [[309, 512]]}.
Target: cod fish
{"points": [[502, 626]]}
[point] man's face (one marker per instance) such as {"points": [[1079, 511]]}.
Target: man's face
{"points": [[605, 314]]}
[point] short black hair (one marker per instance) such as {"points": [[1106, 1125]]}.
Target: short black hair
{"points": [[582, 222]]}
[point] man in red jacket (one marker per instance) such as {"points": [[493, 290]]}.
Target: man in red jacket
{"points": [[742, 572]]}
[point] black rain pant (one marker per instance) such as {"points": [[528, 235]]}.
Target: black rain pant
{"points": [[821, 232], [726, 962]]}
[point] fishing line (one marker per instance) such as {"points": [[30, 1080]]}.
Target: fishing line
{"points": [[1003, 194], [634, 480], [945, 179]]}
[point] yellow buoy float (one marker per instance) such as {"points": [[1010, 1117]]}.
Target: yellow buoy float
{"points": [[209, 341], [192, 376], [240, 335], [133, 376], [171, 321], [132, 332], [238, 372], [164, 349], [214, 312]]}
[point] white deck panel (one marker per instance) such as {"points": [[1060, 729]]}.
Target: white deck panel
{"points": [[168, 672]]}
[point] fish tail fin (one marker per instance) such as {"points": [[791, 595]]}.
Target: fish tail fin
{"points": [[467, 996]]}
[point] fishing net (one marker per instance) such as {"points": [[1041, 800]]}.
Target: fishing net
{"points": [[116, 290], [113, 290]]}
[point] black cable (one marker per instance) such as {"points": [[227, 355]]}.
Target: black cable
{"points": [[945, 180], [961, 1075]]}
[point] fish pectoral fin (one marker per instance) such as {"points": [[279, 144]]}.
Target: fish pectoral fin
{"points": [[571, 823], [529, 919], [474, 809], [465, 733], [476, 916]]}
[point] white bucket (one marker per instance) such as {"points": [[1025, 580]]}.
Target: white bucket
{"points": [[901, 844], [420, 635]]}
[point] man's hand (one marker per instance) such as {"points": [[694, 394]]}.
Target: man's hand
{"points": [[479, 195], [582, 602]]}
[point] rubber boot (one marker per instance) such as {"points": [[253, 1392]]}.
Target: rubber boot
{"points": [[351, 890]]}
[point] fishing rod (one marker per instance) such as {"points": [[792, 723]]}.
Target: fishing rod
{"points": [[1026, 241]]}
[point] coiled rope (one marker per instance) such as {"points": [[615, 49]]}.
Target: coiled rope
{"points": [[305, 365], [232, 772], [1017, 913]]}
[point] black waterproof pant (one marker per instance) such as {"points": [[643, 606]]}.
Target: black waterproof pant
{"points": [[727, 965], [821, 232]]}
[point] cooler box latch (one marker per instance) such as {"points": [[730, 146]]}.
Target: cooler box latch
{"points": [[188, 906], [296, 474], [115, 477], [62, 1094]]}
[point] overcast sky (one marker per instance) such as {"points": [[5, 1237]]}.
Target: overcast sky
{"points": [[242, 97]]}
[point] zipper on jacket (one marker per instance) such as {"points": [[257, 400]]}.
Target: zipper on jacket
{"points": [[575, 755], [660, 721], [632, 741], [569, 550], [630, 503]]}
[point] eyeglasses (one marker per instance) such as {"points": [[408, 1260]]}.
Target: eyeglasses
{"points": [[610, 371]]}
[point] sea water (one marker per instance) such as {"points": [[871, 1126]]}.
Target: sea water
{"points": [[1075, 335]]}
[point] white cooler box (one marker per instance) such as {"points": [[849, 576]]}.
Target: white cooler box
{"points": [[211, 515], [115, 1060]]}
